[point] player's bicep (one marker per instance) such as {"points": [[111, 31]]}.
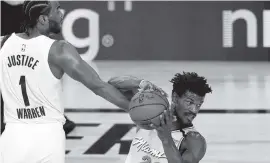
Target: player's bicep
{"points": [[196, 148], [69, 60], [64, 57]]}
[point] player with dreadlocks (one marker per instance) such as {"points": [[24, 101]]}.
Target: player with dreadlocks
{"points": [[31, 68], [69, 125], [176, 140]]}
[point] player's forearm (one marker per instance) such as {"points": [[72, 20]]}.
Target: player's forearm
{"points": [[113, 95], [82, 72], [172, 153]]}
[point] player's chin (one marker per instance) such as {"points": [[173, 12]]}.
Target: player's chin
{"points": [[58, 29], [186, 121], [189, 121], [55, 32]]}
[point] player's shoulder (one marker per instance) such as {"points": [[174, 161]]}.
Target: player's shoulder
{"points": [[196, 145], [195, 135], [61, 42], [197, 138], [3, 39], [59, 46]]}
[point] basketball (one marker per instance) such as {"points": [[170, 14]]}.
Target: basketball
{"points": [[145, 107]]}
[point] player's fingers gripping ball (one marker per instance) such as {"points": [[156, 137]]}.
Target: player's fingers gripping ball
{"points": [[147, 85], [124, 85], [146, 107]]}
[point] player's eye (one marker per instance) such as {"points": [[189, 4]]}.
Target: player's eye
{"points": [[189, 102]]}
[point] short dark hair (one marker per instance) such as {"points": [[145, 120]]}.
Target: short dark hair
{"points": [[190, 81], [32, 10]]}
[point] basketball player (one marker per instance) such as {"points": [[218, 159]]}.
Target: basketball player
{"points": [[31, 66], [175, 140], [15, 12]]}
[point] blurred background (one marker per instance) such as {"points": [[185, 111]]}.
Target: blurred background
{"points": [[227, 42]]}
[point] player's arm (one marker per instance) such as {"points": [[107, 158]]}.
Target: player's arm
{"points": [[193, 143], [172, 153], [66, 57], [195, 148]]}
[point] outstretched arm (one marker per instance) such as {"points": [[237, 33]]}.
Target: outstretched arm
{"points": [[66, 57]]}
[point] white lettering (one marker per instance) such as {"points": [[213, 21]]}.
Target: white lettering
{"points": [[230, 17], [92, 41], [266, 27], [142, 145], [127, 5]]}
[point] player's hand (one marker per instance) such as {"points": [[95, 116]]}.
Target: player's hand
{"points": [[130, 85], [164, 130], [147, 85], [127, 85], [125, 82]]}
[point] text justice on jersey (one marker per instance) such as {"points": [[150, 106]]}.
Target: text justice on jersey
{"points": [[22, 60]]}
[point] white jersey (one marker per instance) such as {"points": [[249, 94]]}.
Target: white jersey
{"points": [[146, 146], [31, 93]]}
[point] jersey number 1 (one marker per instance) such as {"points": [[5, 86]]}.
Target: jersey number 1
{"points": [[24, 93]]}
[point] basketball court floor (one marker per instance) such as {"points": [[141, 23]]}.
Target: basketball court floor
{"points": [[242, 135]]}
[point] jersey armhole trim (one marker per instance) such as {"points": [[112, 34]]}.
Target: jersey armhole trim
{"points": [[48, 64]]}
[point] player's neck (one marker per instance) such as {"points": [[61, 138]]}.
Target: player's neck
{"points": [[176, 125], [34, 32]]}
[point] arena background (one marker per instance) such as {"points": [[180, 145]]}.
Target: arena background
{"points": [[155, 40]]}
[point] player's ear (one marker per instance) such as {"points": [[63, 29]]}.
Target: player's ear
{"points": [[43, 19], [174, 97]]}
